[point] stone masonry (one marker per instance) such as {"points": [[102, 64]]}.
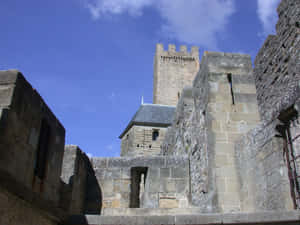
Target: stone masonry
{"points": [[172, 72], [219, 107], [228, 153]]}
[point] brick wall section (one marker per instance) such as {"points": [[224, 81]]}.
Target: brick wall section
{"points": [[138, 141], [167, 182], [277, 65], [172, 72]]}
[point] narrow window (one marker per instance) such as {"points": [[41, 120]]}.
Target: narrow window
{"points": [[178, 95], [138, 180], [155, 135], [42, 151], [229, 77]]}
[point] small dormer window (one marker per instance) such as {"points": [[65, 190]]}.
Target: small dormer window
{"points": [[155, 135]]}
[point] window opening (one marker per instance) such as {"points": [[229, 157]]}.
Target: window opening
{"points": [[155, 135], [42, 151], [229, 77], [137, 186]]}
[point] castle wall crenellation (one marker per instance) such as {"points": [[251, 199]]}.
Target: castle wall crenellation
{"points": [[183, 50]]}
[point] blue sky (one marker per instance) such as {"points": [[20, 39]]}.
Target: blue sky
{"points": [[92, 60]]}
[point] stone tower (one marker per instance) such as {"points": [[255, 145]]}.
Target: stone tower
{"points": [[172, 72]]}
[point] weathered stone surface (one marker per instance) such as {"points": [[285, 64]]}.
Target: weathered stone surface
{"points": [[172, 72], [277, 65]]}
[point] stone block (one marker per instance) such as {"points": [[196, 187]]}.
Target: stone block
{"points": [[167, 185], [107, 186], [251, 117], [176, 161], [99, 162], [224, 148], [165, 173], [199, 219], [125, 185], [168, 203], [232, 185], [113, 173], [244, 88], [179, 172], [220, 137], [116, 203], [117, 186], [245, 98], [8, 76], [6, 94], [182, 185]]}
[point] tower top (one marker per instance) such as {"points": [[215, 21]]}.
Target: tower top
{"points": [[183, 50]]}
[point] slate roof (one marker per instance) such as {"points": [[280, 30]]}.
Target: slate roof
{"points": [[152, 115]]}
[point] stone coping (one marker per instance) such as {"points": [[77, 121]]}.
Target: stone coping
{"points": [[259, 218]]}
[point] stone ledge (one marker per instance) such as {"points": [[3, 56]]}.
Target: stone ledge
{"points": [[271, 217]]}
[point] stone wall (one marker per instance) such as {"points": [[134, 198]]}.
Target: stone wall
{"points": [[29, 183], [219, 107], [266, 182], [138, 141], [277, 65], [172, 72], [16, 211], [22, 113], [165, 182], [262, 171], [81, 193]]}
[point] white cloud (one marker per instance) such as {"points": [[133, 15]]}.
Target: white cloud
{"points": [[196, 22], [99, 8], [267, 14]]}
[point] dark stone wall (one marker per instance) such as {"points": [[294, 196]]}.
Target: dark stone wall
{"points": [[22, 113], [277, 65], [26, 196], [81, 193]]}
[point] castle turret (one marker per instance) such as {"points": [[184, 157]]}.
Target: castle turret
{"points": [[173, 70]]}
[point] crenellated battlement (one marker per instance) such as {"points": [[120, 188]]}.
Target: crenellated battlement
{"points": [[182, 51], [173, 70]]}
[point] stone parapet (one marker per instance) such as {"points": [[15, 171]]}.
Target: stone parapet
{"points": [[271, 217]]}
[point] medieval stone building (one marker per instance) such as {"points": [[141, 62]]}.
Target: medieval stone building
{"points": [[219, 145]]}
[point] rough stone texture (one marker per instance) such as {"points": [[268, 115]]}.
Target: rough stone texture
{"points": [[277, 65], [16, 211], [167, 179], [80, 192], [261, 153], [23, 193], [172, 72], [206, 124], [262, 171]]}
